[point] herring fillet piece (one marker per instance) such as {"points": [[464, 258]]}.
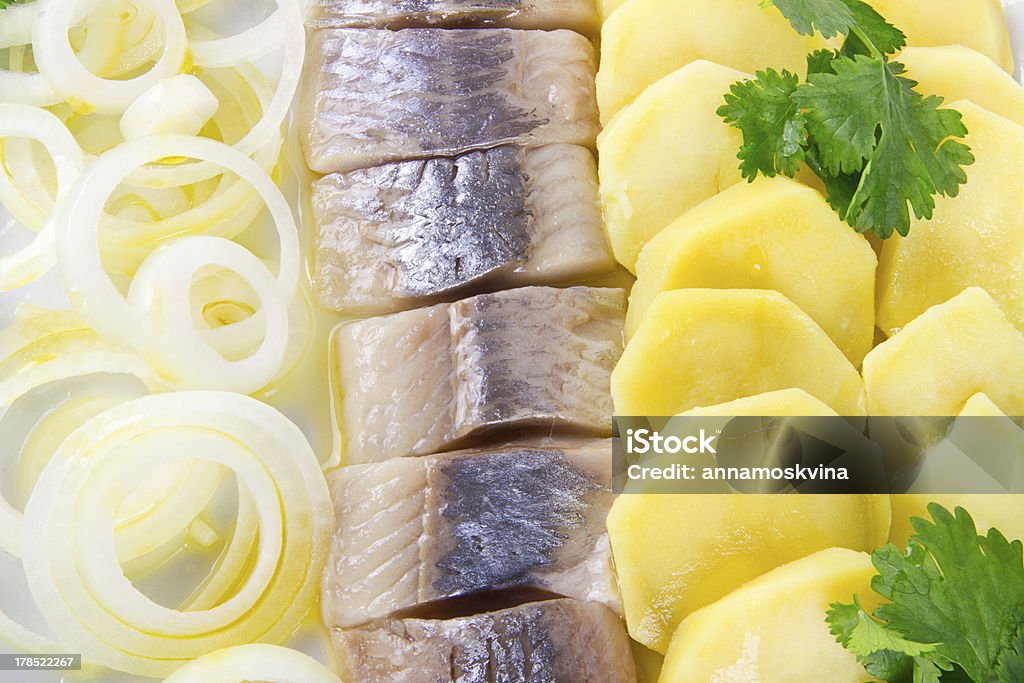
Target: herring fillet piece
{"points": [[411, 233], [413, 531], [372, 96], [577, 15], [556, 641], [429, 380]]}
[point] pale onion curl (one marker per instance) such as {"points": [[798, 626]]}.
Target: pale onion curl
{"points": [[58, 64], [255, 662], [155, 318], [72, 565], [22, 121]]}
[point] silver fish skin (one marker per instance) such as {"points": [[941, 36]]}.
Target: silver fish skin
{"points": [[556, 641], [413, 233], [374, 96], [413, 531], [576, 15], [433, 379]]}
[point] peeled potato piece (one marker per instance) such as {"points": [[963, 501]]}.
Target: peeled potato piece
{"points": [[977, 24], [1003, 512], [944, 357], [974, 239], [773, 629], [677, 553], [782, 403], [773, 234], [644, 40], [666, 153], [960, 73], [700, 347]]}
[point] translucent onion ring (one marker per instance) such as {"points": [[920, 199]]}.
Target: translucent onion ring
{"points": [[57, 62], [90, 288], [18, 120], [172, 343], [73, 573], [256, 662]]}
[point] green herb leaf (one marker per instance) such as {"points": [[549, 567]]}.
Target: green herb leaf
{"points": [[881, 149], [955, 610], [841, 17], [773, 130]]}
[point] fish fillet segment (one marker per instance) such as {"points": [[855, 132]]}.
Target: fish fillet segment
{"points": [[412, 233], [419, 530], [558, 641], [374, 96], [433, 379], [577, 15]]}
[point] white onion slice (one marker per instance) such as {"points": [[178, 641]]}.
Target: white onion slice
{"points": [[95, 295], [256, 662], [58, 63], [167, 336], [17, 120], [72, 567]]}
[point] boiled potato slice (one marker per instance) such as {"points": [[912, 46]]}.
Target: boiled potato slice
{"points": [[974, 239], [960, 73], [944, 357], [772, 234], [648, 663], [677, 553], [701, 347], [609, 6], [773, 629], [977, 24], [645, 40], [666, 153], [782, 403], [1003, 512]]}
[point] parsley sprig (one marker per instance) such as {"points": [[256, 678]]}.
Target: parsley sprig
{"points": [[880, 147], [953, 610]]}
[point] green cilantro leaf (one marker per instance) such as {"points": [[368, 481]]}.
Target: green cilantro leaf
{"points": [[841, 17], [866, 115], [881, 149], [955, 610], [773, 130]]}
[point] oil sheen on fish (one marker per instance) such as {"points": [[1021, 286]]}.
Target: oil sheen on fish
{"points": [[577, 15], [429, 380], [413, 531], [372, 96], [556, 641], [412, 233]]}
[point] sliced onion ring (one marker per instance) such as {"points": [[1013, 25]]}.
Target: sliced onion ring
{"points": [[57, 62], [18, 120], [72, 567], [255, 662], [95, 295]]}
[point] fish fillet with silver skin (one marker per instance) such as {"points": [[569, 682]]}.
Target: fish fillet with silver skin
{"points": [[374, 96], [556, 641], [577, 15], [441, 378], [413, 531], [414, 233]]}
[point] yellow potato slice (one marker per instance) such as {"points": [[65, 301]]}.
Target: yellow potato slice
{"points": [[977, 24], [677, 553], [773, 629], [644, 40], [782, 403], [974, 239], [666, 153], [960, 73], [1003, 512], [701, 347], [944, 357], [772, 234]]}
